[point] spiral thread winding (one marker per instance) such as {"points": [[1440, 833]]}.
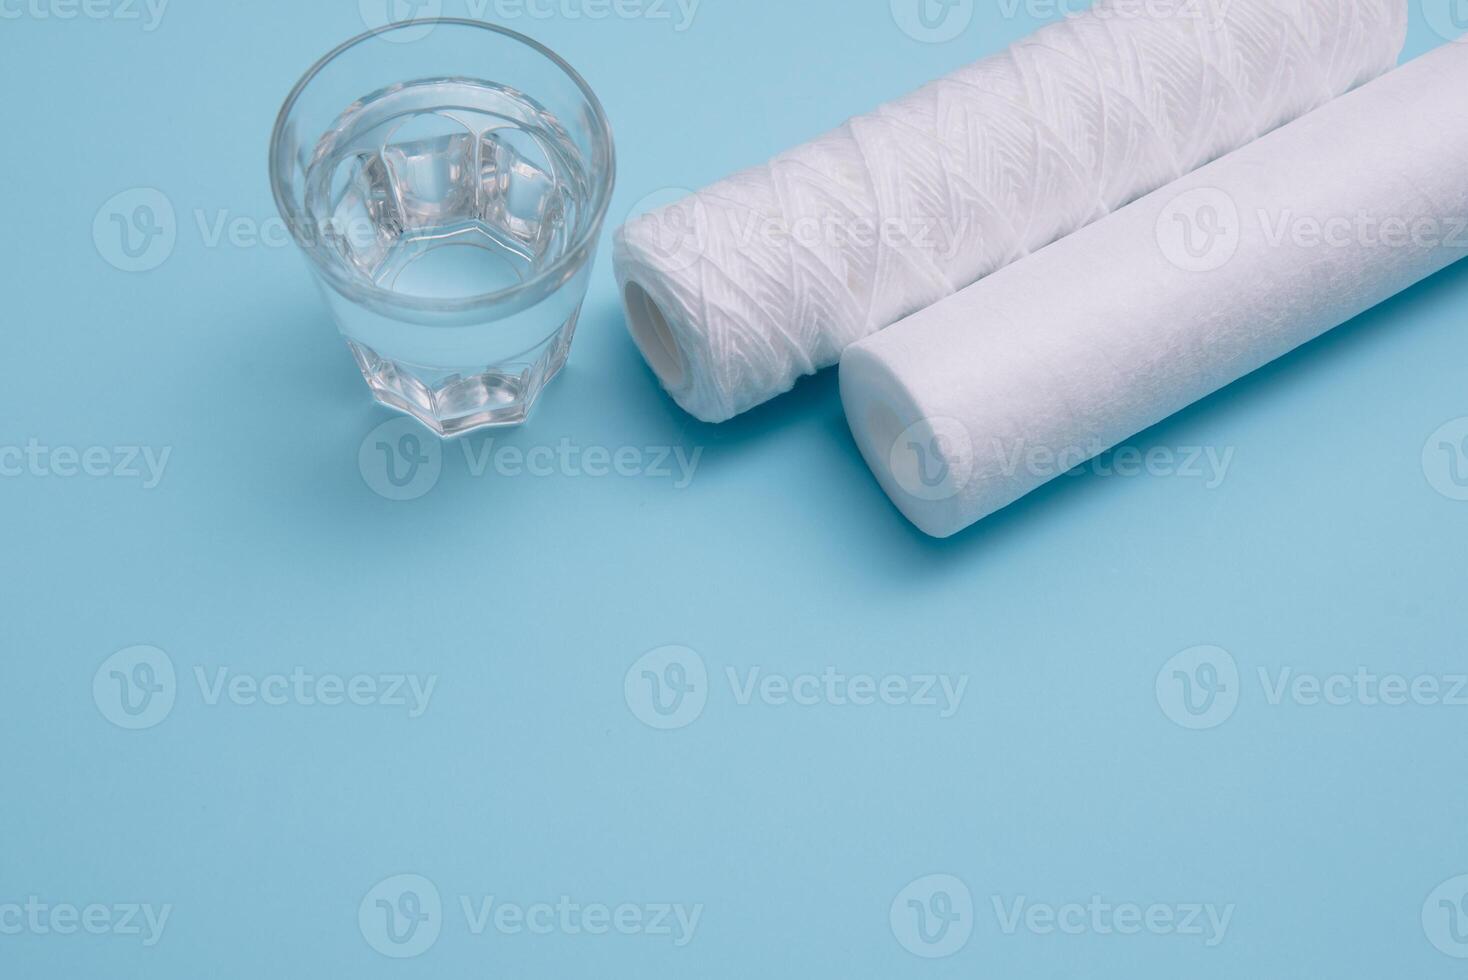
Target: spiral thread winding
{"points": [[737, 291]]}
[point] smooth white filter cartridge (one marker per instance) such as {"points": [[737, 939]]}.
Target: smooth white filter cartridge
{"points": [[1065, 354]]}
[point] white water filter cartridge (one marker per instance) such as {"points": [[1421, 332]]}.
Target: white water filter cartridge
{"points": [[1071, 351], [733, 293]]}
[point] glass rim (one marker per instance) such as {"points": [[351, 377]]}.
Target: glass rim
{"points": [[357, 289]]}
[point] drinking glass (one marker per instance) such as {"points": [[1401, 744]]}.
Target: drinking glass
{"points": [[447, 180]]}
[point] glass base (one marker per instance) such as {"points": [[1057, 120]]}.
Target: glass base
{"points": [[453, 401]]}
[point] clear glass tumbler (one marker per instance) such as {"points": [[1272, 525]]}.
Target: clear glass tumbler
{"points": [[448, 180]]}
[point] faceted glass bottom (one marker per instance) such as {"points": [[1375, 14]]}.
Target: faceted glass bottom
{"points": [[453, 401]]}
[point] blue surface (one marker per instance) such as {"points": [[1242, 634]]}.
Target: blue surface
{"points": [[798, 834]]}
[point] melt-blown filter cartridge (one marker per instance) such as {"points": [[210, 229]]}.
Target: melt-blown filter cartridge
{"points": [[1105, 333], [735, 292]]}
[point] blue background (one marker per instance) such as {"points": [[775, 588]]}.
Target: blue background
{"points": [[530, 777]]}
